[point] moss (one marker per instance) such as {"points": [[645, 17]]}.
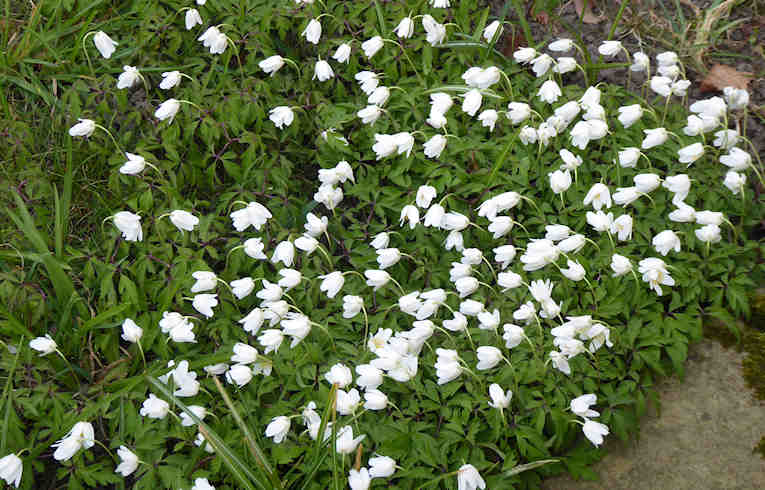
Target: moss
{"points": [[760, 448], [754, 363], [752, 342]]}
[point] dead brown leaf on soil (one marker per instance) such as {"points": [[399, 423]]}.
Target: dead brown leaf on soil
{"points": [[721, 76], [584, 11]]}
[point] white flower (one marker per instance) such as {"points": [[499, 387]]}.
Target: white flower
{"points": [[610, 48], [339, 374], [499, 399], [541, 64], [726, 139], [342, 53], [630, 114], [504, 255], [278, 428], [205, 281], [370, 114], [679, 185], [312, 32], [560, 362], [565, 64], [129, 77], [624, 196], [524, 55], [11, 468], [345, 443], [620, 265], [518, 112], [471, 307], [375, 400], [199, 411], [43, 345], [525, 313], [528, 135], [655, 273], [377, 278], [472, 102], [81, 436], [253, 247], [709, 233], [468, 478], [666, 241], [622, 227], [130, 226], [204, 304], [509, 280], [359, 479], [457, 323], [595, 431], [488, 118], [368, 81], [332, 283], [575, 271], [549, 92], [737, 159], [491, 30], [598, 196], [167, 110], [646, 183], [539, 253], [272, 64], [683, 213], [735, 182], [488, 320], [379, 96], [435, 33], [641, 62], [736, 98], [381, 467], [560, 181], [254, 214], [239, 374], [202, 483], [85, 127], [435, 146], [513, 335], [192, 19], [284, 253], [405, 28], [709, 218], [213, 39], [488, 357], [322, 71], [183, 220], [130, 331], [281, 116], [244, 353], [128, 461], [580, 406], [385, 145], [690, 153], [411, 214], [440, 4], [154, 408], [372, 46], [561, 45], [654, 137], [105, 45]]}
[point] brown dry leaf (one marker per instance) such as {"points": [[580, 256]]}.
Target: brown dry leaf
{"points": [[588, 17], [721, 76], [543, 18]]}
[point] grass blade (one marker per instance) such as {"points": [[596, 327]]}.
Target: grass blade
{"points": [[255, 449], [238, 468]]}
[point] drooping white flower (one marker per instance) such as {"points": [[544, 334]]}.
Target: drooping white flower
{"points": [[312, 31], [105, 45]]}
